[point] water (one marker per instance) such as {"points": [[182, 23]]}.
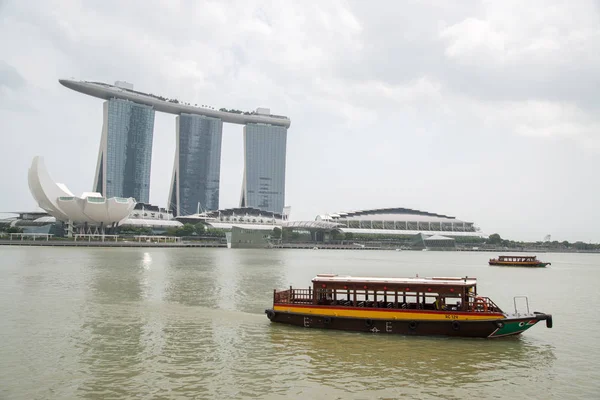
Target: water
{"points": [[190, 323]]}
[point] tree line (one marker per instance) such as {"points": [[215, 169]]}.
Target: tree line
{"points": [[496, 239]]}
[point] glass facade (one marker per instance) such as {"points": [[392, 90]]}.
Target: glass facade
{"points": [[197, 170], [264, 167], [126, 150]]}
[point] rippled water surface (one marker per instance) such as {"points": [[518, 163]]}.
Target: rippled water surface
{"points": [[190, 323]]}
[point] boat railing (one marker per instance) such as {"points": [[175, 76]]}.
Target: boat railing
{"points": [[282, 296], [291, 295], [306, 296], [482, 304], [526, 303]]}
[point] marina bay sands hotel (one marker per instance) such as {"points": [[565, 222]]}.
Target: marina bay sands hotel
{"points": [[123, 167]]}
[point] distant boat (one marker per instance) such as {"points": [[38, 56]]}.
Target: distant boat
{"points": [[518, 261]]}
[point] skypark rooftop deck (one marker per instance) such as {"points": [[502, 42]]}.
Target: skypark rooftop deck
{"points": [[171, 106]]}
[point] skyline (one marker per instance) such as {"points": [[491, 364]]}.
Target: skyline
{"points": [[470, 110], [124, 158]]}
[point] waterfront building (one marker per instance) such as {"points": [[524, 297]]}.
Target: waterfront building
{"points": [[243, 238], [90, 213], [248, 217], [263, 184], [248, 224], [128, 125], [149, 216], [402, 222], [125, 155], [89, 209], [197, 167]]}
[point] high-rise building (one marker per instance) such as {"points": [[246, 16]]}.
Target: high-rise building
{"points": [[123, 168], [263, 185], [197, 168]]}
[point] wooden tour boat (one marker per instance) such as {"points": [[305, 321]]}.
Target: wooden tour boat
{"points": [[410, 306], [518, 261]]}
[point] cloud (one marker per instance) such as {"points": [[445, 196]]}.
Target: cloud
{"points": [[537, 53], [10, 77], [546, 119], [403, 104], [538, 33], [473, 40], [12, 90]]}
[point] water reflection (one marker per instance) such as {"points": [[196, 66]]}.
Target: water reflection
{"points": [[111, 338], [116, 276], [186, 361], [357, 362], [203, 347], [191, 278], [254, 273], [224, 279]]}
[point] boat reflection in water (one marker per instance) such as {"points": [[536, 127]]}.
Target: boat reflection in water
{"points": [[392, 365]]}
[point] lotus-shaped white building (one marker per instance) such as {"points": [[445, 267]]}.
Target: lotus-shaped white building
{"points": [[89, 209]]}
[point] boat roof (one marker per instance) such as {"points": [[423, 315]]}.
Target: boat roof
{"points": [[451, 281]]}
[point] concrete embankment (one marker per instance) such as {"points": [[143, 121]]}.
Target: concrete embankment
{"points": [[85, 243], [322, 246]]}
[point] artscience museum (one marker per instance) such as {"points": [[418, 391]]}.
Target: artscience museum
{"points": [[90, 212]]}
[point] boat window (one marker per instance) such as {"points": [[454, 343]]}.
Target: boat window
{"points": [[448, 298]]}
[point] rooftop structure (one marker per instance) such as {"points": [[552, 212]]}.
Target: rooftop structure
{"points": [[247, 217], [446, 281], [173, 106], [400, 221]]}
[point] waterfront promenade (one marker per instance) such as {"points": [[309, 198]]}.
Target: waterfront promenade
{"points": [[85, 243], [297, 246]]}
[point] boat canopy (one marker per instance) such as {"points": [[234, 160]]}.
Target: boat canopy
{"points": [[517, 258], [438, 281]]}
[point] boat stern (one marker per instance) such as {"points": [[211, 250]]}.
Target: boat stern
{"points": [[270, 314]]}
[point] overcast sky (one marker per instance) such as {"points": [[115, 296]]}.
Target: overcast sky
{"points": [[488, 111]]}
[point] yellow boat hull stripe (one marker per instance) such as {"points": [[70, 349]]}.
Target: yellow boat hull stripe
{"points": [[387, 315]]}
